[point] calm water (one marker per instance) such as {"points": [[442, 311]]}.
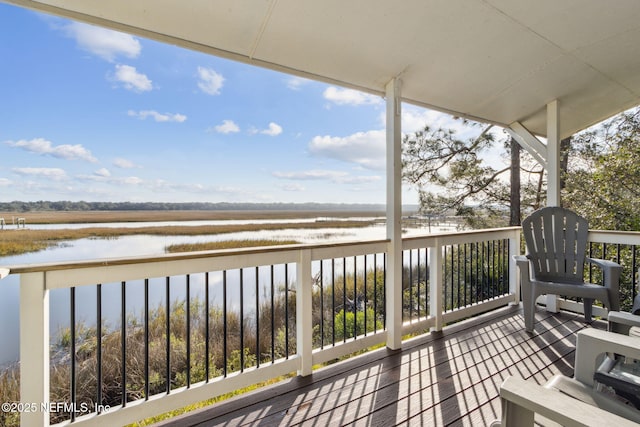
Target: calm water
{"points": [[138, 246]]}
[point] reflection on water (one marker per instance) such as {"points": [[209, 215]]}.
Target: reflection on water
{"points": [[127, 246]]}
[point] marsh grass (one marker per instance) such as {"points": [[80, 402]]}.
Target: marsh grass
{"points": [[78, 217], [15, 242], [226, 244]]}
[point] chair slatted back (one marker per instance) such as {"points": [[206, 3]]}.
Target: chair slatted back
{"points": [[556, 240]]}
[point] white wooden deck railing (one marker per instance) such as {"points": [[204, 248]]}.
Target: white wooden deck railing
{"points": [[37, 281]]}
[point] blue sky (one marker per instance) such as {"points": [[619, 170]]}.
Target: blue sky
{"points": [[91, 114]]}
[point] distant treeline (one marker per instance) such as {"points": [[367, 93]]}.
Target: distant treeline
{"points": [[39, 206]]}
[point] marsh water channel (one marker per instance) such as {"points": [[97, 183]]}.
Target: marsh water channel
{"points": [[142, 245]]}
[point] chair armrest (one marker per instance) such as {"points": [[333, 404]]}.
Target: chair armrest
{"points": [[522, 265], [624, 318], [522, 261], [520, 258], [611, 280], [522, 399], [610, 269], [591, 346], [603, 263]]}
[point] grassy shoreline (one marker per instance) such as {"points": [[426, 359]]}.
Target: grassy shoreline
{"points": [[19, 241], [83, 217]]}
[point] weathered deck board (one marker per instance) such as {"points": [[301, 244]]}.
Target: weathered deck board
{"points": [[447, 378]]}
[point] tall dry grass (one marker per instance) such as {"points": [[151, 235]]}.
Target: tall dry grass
{"points": [[14, 242]]}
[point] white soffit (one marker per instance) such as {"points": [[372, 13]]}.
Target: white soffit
{"points": [[499, 61]]}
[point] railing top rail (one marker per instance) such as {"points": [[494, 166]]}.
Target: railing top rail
{"points": [[613, 236], [458, 235], [184, 256]]}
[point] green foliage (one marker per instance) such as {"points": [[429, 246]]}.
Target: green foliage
{"points": [[345, 291], [346, 322], [603, 181]]}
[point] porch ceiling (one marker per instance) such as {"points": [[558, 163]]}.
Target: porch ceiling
{"points": [[499, 61]]}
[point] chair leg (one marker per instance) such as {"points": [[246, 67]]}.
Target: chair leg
{"points": [[614, 301], [588, 309], [529, 306]]}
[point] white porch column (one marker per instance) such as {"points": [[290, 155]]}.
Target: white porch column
{"points": [[553, 174], [304, 313], [394, 216], [553, 154], [34, 349]]}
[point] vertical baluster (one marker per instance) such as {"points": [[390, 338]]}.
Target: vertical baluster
{"points": [[404, 286], [355, 297], [410, 285], [452, 277], [344, 299], [418, 288], [321, 306], [225, 335], [384, 290], [123, 335], [633, 272], [365, 296], [241, 320], [207, 327], [466, 274], [286, 310], [458, 274], [589, 265], [375, 291], [427, 296], [168, 334], [258, 355], [273, 320], [333, 301], [493, 268], [484, 284], [444, 272], [474, 294], [99, 345], [188, 331], [72, 332], [146, 341], [505, 267]]}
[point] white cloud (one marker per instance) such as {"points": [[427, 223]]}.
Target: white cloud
{"points": [[104, 172], [131, 79], [227, 126], [4, 182], [296, 83], [108, 179], [158, 117], [44, 147], [366, 149], [210, 81], [55, 174], [123, 163], [339, 177], [317, 174], [273, 130], [106, 44], [350, 97], [415, 119], [293, 187]]}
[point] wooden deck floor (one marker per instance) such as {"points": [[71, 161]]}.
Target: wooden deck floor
{"points": [[450, 378]]}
